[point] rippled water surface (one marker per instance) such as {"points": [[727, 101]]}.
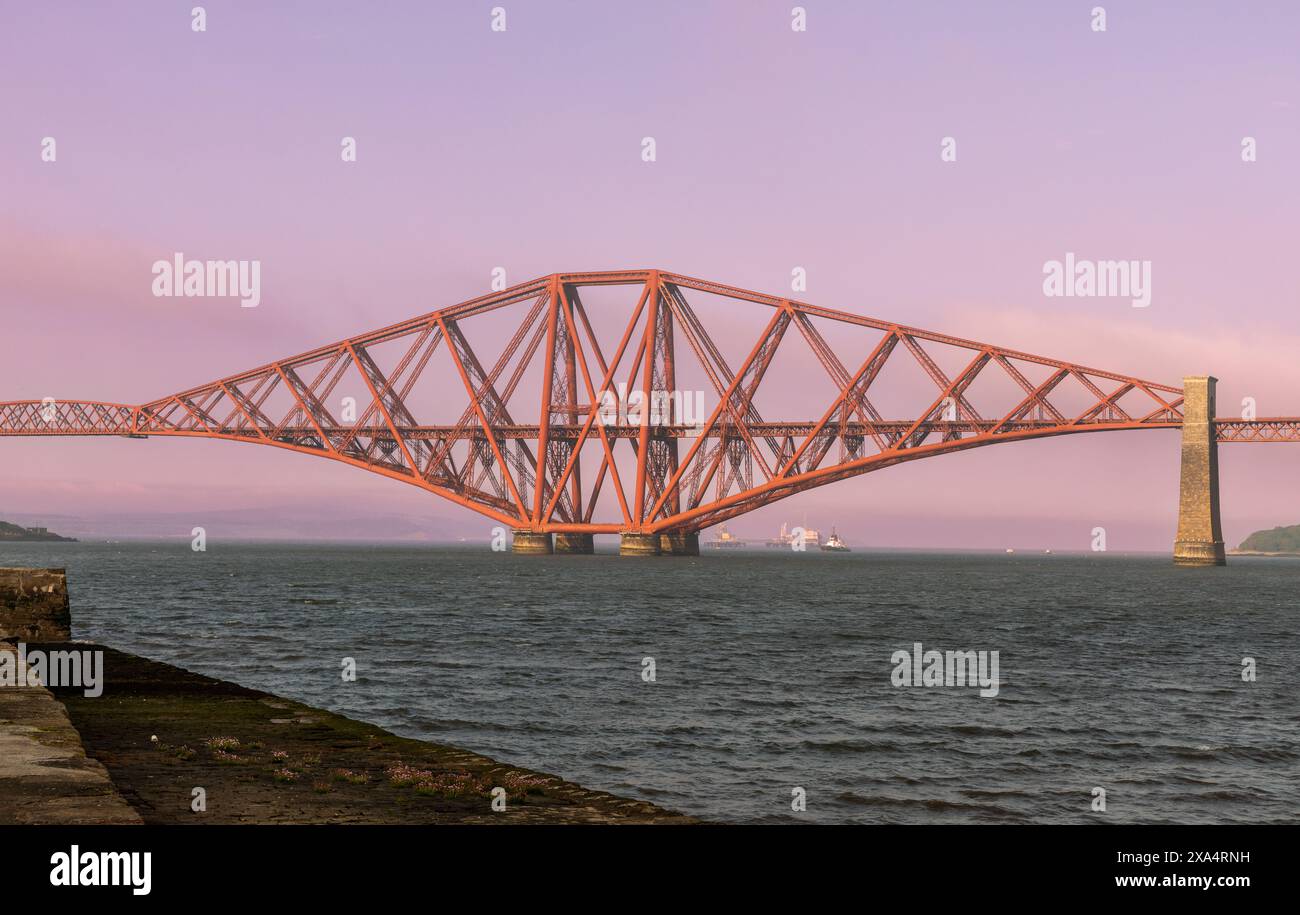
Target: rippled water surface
{"points": [[773, 669]]}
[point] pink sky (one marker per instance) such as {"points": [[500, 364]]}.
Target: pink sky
{"points": [[775, 149]]}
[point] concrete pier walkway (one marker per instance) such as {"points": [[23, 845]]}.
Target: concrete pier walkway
{"points": [[45, 775], [167, 736]]}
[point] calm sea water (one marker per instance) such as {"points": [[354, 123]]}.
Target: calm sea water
{"points": [[773, 670]]}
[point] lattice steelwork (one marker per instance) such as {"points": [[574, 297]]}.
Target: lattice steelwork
{"points": [[545, 469], [1274, 429]]}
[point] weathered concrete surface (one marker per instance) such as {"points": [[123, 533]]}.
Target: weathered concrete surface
{"points": [[45, 775], [679, 544], [532, 543], [1200, 538], [161, 732], [631, 543], [580, 544], [260, 758], [34, 605]]}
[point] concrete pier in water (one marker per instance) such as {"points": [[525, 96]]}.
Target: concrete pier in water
{"points": [[1199, 541], [583, 544], [677, 543], [533, 543], [634, 543]]}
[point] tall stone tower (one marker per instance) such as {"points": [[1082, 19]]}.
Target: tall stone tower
{"points": [[1200, 537]]}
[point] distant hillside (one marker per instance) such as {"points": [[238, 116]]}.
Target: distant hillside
{"points": [[12, 533], [1278, 540]]}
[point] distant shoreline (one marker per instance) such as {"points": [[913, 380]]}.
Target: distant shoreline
{"points": [[13, 533], [49, 538], [1280, 541]]}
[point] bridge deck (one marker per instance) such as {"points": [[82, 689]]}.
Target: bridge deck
{"points": [[24, 420]]}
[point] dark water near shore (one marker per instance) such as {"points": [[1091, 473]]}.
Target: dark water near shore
{"points": [[773, 670]]}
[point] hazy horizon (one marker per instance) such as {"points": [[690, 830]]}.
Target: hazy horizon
{"points": [[293, 525]]}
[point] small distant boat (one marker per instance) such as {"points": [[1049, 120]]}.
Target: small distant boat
{"points": [[1009, 550], [725, 541], [834, 544]]}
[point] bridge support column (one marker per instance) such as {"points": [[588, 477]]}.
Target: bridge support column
{"points": [[1200, 538], [532, 543], [575, 543], [633, 543], [680, 543]]}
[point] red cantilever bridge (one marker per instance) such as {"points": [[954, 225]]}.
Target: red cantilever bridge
{"points": [[565, 415]]}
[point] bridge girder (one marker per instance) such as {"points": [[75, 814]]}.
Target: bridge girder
{"points": [[529, 437]]}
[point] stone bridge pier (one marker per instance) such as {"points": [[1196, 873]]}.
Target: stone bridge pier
{"points": [[1199, 541]]}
